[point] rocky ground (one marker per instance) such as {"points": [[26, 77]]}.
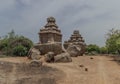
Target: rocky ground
{"points": [[83, 70]]}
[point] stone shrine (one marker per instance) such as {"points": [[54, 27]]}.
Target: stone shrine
{"points": [[76, 39], [50, 32], [50, 38], [50, 44]]}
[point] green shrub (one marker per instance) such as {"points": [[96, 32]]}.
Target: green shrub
{"points": [[13, 44], [93, 48], [113, 41], [20, 51]]}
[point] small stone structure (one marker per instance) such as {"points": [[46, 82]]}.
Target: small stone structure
{"points": [[50, 44], [50, 38], [50, 32], [75, 42]]}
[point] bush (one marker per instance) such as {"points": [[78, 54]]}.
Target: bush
{"points": [[20, 51], [13, 44], [21, 40], [103, 50], [93, 49]]}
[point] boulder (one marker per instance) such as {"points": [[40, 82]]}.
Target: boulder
{"points": [[34, 54], [64, 57], [74, 50], [49, 57]]}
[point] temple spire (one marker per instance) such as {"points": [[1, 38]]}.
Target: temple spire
{"points": [[51, 23]]}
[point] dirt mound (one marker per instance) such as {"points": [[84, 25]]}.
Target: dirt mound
{"points": [[23, 73]]}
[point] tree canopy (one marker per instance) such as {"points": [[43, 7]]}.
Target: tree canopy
{"points": [[113, 41], [92, 49], [16, 45]]}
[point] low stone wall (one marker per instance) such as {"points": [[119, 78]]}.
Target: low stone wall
{"points": [[49, 47]]}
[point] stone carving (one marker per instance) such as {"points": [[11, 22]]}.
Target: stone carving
{"points": [[50, 38], [50, 44], [49, 47], [79, 44], [50, 32]]}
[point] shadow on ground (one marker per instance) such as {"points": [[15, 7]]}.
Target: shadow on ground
{"points": [[23, 73]]}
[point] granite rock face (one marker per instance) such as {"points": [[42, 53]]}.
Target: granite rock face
{"points": [[49, 57], [74, 50], [63, 57], [34, 54]]}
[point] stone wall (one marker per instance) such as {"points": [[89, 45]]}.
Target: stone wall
{"points": [[50, 47]]}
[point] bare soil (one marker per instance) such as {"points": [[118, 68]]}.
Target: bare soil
{"points": [[83, 70]]}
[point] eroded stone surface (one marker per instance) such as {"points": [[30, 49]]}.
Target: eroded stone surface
{"points": [[63, 57], [49, 57], [34, 54]]}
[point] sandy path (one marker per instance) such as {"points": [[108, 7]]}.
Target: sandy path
{"points": [[101, 70], [11, 77]]}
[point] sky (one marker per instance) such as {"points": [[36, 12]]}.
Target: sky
{"points": [[93, 18]]}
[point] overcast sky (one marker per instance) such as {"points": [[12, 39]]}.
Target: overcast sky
{"points": [[93, 18]]}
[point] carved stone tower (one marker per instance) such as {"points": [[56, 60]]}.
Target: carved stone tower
{"points": [[76, 39], [50, 32], [50, 38]]}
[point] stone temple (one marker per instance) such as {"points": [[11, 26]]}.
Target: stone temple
{"points": [[50, 44], [50, 38], [50, 32], [76, 39]]}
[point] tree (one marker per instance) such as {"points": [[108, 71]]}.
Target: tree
{"points": [[13, 44], [20, 50], [93, 48], [103, 50], [113, 41]]}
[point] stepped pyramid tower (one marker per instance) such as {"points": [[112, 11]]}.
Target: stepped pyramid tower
{"points": [[76, 39], [50, 32], [50, 38]]}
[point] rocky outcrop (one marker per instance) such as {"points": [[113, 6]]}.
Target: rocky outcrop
{"points": [[34, 54], [74, 50], [64, 57], [49, 57]]}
